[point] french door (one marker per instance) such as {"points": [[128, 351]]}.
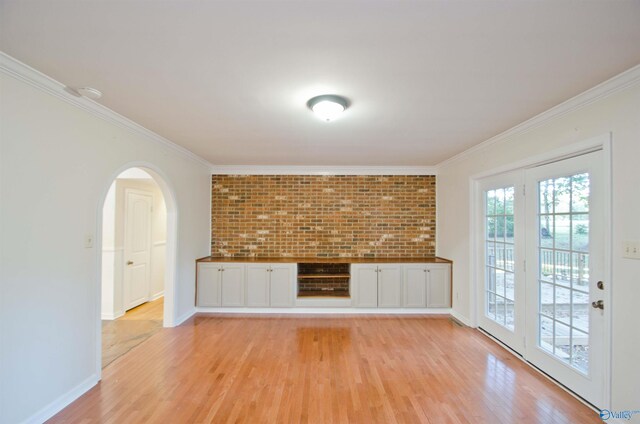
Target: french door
{"points": [[542, 269], [502, 294], [565, 272]]}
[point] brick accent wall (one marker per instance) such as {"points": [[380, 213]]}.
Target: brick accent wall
{"points": [[323, 216]]}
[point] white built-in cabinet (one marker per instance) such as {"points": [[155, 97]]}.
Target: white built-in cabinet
{"points": [[282, 284], [251, 285], [364, 285], [263, 285], [427, 285], [232, 284], [209, 284], [401, 285], [389, 286], [438, 286]]}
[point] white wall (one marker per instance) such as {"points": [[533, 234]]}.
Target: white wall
{"points": [[619, 114], [56, 163]]}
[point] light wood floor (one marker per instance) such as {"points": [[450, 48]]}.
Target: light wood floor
{"points": [[137, 325], [322, 369]]}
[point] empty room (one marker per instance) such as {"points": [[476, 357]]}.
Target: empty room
{"points": [[319, 211]]}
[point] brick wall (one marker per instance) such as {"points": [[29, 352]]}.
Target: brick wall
{"points": [[323, 216]]}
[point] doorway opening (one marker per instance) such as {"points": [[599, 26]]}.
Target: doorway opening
{"points": [[135, 259]]}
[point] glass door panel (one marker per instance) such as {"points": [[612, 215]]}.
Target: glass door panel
{"points": [[565, 259], [501, 295]]}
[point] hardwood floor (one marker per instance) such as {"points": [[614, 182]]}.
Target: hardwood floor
{"points": [[322, 369], [137, 325]]}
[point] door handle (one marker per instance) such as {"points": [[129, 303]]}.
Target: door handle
{"points": [[600, 285], [598, 304], [129, 262]]}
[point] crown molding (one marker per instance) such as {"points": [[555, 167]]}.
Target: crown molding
{"points": [[613, 85], [321, 170], [23, 72]]}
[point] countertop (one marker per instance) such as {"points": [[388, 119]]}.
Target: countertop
{"points": [[341, 260]]}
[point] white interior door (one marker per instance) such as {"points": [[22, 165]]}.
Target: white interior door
{"points": [[565, 262], [137, 247], [501, 294]]}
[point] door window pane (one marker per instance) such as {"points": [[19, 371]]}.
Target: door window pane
{"points": [[563, 246], [499, 262]]}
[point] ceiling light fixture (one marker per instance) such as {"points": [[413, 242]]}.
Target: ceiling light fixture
{"points": [[328, 106], [88, 92]]}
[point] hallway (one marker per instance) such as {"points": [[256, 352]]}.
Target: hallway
{"points": [[137, 325]]}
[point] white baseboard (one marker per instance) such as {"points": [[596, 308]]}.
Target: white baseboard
{"points": [[108, 316], [63, 401], [184, 317], [328, 302], [156, 296], [461, 318], [325, 310]]}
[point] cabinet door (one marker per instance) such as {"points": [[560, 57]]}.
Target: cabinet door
{"points": [[415, 286], [389, 286], [365, 286], [258, 285], [438, 286], [233, 285], [283, 280], [209, 284]]}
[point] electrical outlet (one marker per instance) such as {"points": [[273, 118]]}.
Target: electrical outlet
{"points": [[88, 241]]}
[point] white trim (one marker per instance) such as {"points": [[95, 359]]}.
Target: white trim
{"points": [[322, 310], [112, 316], [61, 402], [184, 317], [113, 250], [160, 243], [321, 170], [574, 149], [619, 82], [16, 69], [466, 321], [607, 166], [156, 296], [323, 302]]}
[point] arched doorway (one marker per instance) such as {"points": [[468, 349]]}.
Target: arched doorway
{"points": [[138, 253]]}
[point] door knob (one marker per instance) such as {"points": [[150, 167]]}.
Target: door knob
{"points": [[598, 304], [129, 262], [600, 285]]}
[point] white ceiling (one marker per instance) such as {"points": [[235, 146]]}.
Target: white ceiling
{"points": [[229, 80]]}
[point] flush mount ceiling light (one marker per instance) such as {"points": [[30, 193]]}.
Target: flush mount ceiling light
{"points": [[328, 107], [88, 92]]}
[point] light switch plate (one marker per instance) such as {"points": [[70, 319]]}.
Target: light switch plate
{"points": [[88, 241], [631, 249]]}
